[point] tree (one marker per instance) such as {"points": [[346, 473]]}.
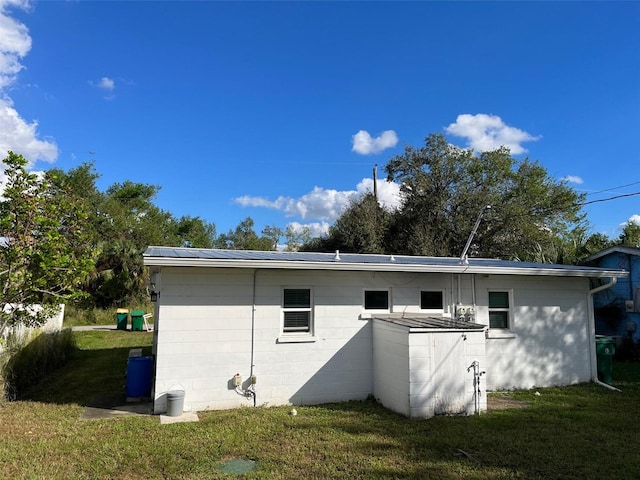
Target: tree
{"points": [[596, 243], [630, 235], [194, 232], [119, 277], [445, 187], [295, 238], [244, 237], [123, 221], [44, 255], [362, 228]]}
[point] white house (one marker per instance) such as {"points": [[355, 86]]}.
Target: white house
{"points": [[423, 335]]}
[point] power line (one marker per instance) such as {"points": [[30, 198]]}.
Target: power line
{"points": [[614, 188], [609, 199]]}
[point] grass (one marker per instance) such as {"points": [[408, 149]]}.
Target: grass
{"points": [[578, 432]]}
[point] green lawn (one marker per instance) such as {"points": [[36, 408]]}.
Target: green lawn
{"points": [[580, 432]]}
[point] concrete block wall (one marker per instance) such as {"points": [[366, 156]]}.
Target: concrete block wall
{"points": [[549, 342], [424, 373], [204, 334]]}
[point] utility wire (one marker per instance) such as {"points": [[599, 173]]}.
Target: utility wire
{"points": [[609, 199], [614, 188]]}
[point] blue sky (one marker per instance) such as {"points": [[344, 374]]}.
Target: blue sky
{"points": [[280, 110]]}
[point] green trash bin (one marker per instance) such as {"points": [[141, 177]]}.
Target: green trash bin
{"points": [[605, 348], [122, 318], [137, 320]]}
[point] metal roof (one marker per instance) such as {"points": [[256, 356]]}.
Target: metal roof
{"points": [[615, 249], [426, 322], [199, 257]]}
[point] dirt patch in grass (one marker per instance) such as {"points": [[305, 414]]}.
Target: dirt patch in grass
{"points": [[503, 402]]}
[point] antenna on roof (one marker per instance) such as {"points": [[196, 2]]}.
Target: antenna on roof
{"points": [[375, 182], [464, 260]]}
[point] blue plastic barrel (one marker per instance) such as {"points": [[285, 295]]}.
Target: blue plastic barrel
{"points": [[139, 376]]}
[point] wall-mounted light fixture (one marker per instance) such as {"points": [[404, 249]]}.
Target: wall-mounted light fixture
{"points": [[153, 294]]}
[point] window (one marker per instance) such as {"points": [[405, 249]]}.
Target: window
{"points": [[296, 307], [499, 310], [431, 300], [376, 300]]}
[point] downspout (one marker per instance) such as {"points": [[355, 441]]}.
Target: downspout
{"points": [[251, 388], [592, 334], [253, 319]]}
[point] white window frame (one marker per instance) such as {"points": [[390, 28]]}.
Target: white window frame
{"points": [[376, 310], [432, 310], [496, 332], [296, 336]]}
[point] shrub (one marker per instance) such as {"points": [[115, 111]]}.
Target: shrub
{"points": [[27, 362]]}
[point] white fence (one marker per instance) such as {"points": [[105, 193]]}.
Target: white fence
{"points": [[53, 324]]}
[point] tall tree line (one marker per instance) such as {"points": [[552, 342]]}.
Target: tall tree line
{"points": [[63, 238], [124, 220], [444, 189]]}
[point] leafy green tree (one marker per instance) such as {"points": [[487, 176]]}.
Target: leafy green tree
{"points": [[596, 243], [272, 234], [362, 228], [296, 238], [244, 237], [194, 232], [44, 253], [630, 235], [120, 277], [80, 182], [123, 221], [445, 187], [130, 214]]}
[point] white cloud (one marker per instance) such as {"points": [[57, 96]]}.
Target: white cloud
{"points": [[320, 203], [364, 144], [488, 132], [573, 179], [16, 133], [21, 137], [316, 229], [632, 219], [388, 192], [15, 42], [325, 204], [106, 84]]}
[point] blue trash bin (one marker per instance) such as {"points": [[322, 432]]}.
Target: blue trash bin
{"points": [[139, 370]]}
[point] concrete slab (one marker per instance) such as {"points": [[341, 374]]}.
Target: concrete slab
{"points": [[185, 417], [86, 328], [93, 413], [115, 405]]}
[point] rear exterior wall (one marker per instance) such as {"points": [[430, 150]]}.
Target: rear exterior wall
{"points": [[204, 334], [548, 342]]}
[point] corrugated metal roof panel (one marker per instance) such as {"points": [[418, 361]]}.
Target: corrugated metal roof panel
{"points": [[415, 320], [174, 256]]}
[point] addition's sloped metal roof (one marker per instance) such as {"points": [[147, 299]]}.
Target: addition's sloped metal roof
{"points": [[615, 249], [192, 257], [416, 321]]}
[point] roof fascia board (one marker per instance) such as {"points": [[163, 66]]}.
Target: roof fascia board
{"points": [[377, 267], [615, 249]]}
